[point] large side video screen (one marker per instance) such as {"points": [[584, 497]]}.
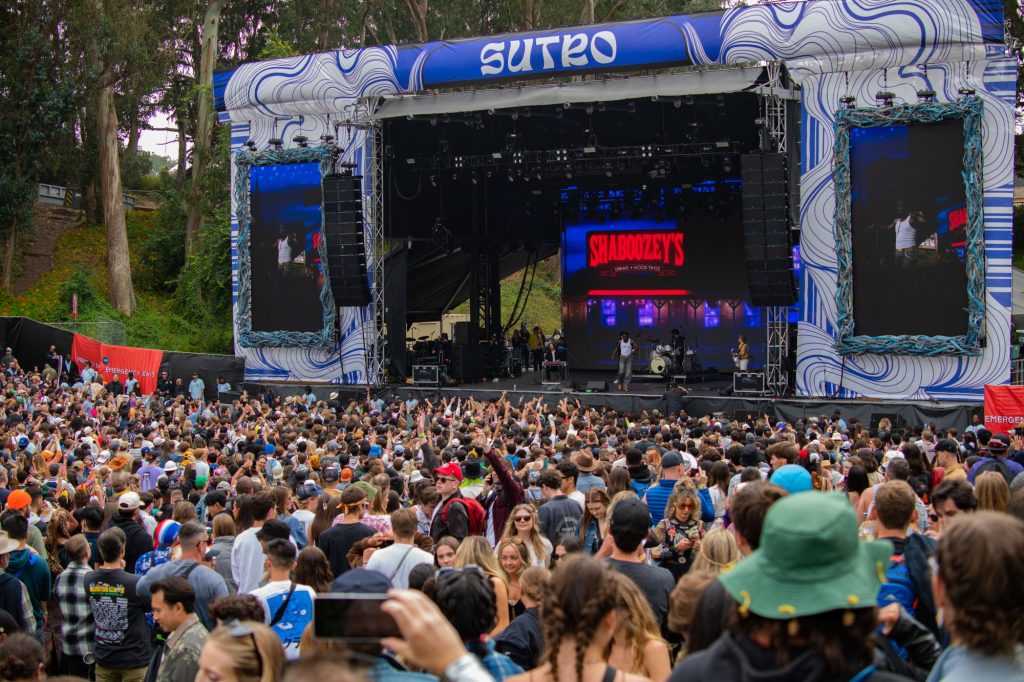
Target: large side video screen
{"points": [[909, 220], [286, 203], [649, 260]]}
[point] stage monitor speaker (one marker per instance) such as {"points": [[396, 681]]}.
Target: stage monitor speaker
{"points": [[460, 332], [469, 362], [597, 387], [425, 374], [344, 239], [748, 382], [767, 240]]}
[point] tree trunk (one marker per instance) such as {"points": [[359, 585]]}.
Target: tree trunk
{"points": [[179, 172], [587, 15], [131, 149], [7, 277], [119, 270], [204, 124]]}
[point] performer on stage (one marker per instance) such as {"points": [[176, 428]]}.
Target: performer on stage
{"points": [[625, 348], [742, 354]]}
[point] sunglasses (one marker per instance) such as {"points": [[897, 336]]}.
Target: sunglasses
{"points": [[524, 518]]}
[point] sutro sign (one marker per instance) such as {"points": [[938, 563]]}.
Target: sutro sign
{"points": [[561, 51]]}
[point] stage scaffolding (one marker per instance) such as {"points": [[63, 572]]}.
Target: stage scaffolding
{"points": [[773, 108]]}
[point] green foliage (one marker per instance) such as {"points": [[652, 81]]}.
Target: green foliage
{"points": [[275, 47]]}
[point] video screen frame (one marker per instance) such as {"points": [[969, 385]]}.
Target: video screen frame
{"points": [[969, 109], [245, 159]]}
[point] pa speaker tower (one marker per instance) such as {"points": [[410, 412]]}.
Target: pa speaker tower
{"points": [[767, 239], [343, 232]]}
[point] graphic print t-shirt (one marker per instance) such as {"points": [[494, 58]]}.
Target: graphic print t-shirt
{"points": [[121, 635], [297, 614]]}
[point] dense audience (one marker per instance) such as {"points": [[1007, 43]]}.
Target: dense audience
{"points": [[173, 538]]}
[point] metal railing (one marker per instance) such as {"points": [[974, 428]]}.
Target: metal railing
{"points": [[1017, 372]]}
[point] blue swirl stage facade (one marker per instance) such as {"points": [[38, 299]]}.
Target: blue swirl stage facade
{"points": [[831, 49]]}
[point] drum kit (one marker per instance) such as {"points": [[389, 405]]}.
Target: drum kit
{"points": [[666, 360]]}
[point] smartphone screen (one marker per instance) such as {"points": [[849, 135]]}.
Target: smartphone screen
{"points": [[352, 618]]}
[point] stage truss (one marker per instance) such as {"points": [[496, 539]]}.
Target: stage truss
{"points": [[773, 107]]}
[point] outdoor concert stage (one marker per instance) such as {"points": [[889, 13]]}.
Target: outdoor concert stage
{"points": [[812, 176]]}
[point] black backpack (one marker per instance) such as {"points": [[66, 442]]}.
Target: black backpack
{"points": [[995, 464]]}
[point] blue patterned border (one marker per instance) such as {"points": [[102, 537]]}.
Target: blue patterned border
{"points": [[971, 110], [326, 337]]}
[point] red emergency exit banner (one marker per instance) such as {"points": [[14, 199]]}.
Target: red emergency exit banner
{"points": [[110, 360], [1004, 408]]}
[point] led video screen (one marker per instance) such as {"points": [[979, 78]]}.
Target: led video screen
{"points": [[649, 261], [909, 230], [286, 274]]}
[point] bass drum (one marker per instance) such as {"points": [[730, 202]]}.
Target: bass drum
{"points": [[658, 364]]}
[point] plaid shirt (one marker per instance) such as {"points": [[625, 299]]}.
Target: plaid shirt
{"points": [[74, 606]]}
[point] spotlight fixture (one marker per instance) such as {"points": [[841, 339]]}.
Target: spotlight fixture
{"points": [[250, 144], [727, 165], [301, 140], [926, 96], [884, 98], [966, 92], [276, 142], [327, 138], [848, 102]]}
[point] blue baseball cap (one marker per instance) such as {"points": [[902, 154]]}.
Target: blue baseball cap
{"points": [[793, 478], [269, 449]]}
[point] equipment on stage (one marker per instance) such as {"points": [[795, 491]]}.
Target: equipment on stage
{"points": [[426, 375], [597, 387], [554, 365], [748, 382], [658, 364]]}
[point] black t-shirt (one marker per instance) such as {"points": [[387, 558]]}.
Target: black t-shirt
{"points": [[338, 540], [655, 582], [121, 633]]}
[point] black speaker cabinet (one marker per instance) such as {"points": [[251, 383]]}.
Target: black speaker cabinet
{"points": [[597, 387], [767, 240], [344, 239], [748, 382]]}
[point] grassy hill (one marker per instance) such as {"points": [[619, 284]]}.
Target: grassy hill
{"points": [[544, 305], [79, 267]]}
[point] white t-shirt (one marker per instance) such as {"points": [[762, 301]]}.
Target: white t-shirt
{"points": [[906, 235], [304, 517], [397, 561], [247, 561], [579, 498], [284, 251], [625, 348], [298, 613]]}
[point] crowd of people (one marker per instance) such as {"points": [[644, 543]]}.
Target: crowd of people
{"points": [[171, 538]]}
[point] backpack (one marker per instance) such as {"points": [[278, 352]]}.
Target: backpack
{"points": [[898, 586], [474, 512], [995, 464]]}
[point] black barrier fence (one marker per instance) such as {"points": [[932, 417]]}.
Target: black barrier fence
{"points": [[30, 340]]}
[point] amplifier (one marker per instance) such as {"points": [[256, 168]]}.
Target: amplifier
{"points": [[748, 382], [425, 374]]}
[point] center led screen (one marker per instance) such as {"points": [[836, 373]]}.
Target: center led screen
{"points": [[648, 261]]}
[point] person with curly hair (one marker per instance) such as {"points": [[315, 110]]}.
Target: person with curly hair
{"points": [[579, 615], [22, 659], [977, 584]]}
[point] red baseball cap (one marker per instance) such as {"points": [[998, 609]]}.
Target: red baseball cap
{"points": [[450, 469]]}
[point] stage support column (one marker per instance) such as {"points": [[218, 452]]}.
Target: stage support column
{"points": [[485, 293]]}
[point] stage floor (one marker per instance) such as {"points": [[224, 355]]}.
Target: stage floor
{"points": [[705, 384]]}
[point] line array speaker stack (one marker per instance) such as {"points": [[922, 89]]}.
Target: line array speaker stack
{"points": [[767, 241], [343, 232]]}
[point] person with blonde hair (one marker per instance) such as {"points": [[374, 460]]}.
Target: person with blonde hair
{"points": [[637, 646], [718, 551], [241, 651], [513, 560], [474, 551], [992, 491], [523, 523]]}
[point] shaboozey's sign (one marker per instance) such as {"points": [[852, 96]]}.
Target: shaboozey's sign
{"points": [[653, 251]]}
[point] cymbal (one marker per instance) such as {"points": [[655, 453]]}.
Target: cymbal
{"points": [[409, 338], [423, 338]]}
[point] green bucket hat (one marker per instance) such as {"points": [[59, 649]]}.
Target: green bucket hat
{"points": [[370, 491], [810, 561]]}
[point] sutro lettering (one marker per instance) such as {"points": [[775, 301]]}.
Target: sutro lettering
{"points": [[566, 51], [654, 247]]}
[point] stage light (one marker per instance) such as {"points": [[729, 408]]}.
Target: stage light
{"points": [[539, 176], [276, 142], [433, 181], [884, 98], [455, 176], [590, 150], [327, 139], [411, 161], [654, 98], [723, 144], [966, 92], [926, 96], [727, 166], [608, 173], [301, 140], [510, 178], [568, 175], [495, 155], [250, 144], [409, 117], [848, 102], [474, 178], [433, 120]]}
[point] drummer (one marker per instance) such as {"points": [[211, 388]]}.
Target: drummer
{"points": [[678, 343]]}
